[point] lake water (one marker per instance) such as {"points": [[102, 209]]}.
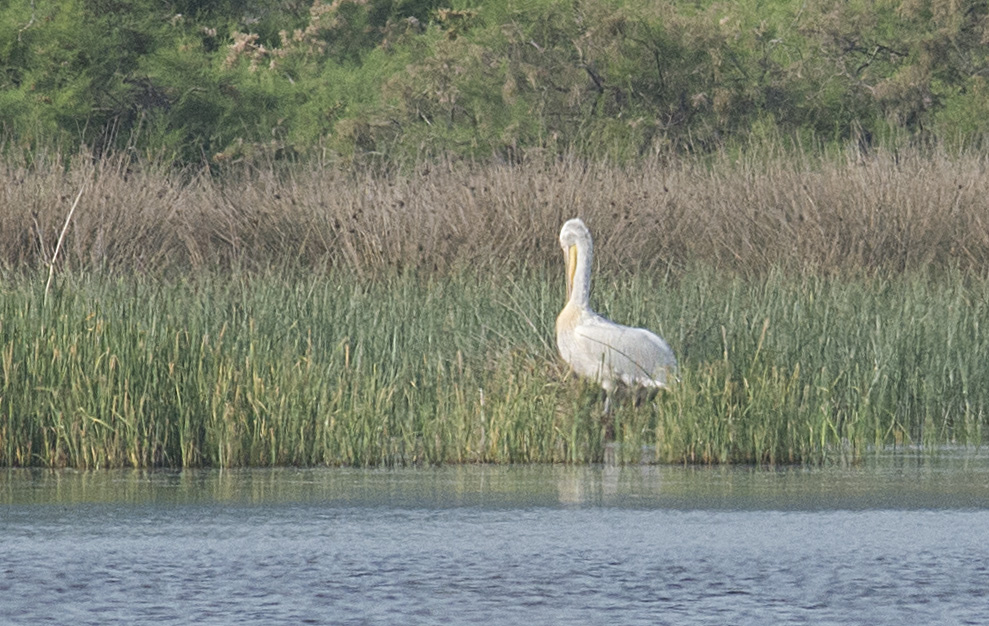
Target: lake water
{"points": [[903, 539]]}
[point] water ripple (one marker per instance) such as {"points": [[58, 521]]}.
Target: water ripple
{"points": [[322, 560]]}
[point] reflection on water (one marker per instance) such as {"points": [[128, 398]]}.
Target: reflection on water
{"points": [[951, 479], [904, 538]]}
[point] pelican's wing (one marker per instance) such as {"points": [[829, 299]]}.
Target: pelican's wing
{"points": [[634, 356]]}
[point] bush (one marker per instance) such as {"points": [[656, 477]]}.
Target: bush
{"points": [[356, 79]]}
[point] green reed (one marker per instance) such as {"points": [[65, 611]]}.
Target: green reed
{"points": [[291, 369]]}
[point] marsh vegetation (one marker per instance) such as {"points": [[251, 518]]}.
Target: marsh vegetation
{"points": [[820, 306]]}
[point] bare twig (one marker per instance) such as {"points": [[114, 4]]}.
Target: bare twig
{"points": [[28, 25], [58, 245]]}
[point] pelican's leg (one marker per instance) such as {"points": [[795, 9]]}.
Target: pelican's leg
{"points": [[610, 389], [608, 420]]}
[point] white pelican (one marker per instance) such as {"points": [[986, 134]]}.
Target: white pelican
{"points": [[596, 347]]}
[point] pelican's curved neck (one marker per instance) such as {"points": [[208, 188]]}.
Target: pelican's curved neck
{"points": [[580, 294]]}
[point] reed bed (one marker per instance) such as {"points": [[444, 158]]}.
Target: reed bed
{"points": [[289, 368], [821, 307], [885, 212]]}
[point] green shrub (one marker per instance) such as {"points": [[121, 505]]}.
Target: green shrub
{"points": [[387, 80]]}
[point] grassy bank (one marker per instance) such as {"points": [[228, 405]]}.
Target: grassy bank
{"points": [[289, 368], [820, 305]]}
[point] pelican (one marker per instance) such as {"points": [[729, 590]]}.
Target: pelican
{"points": [[594, 346]]}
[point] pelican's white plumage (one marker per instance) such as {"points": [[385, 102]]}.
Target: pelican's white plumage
{"points": [[596, 347]]}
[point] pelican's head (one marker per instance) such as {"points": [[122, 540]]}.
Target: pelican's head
{"points": [[575, 240]]}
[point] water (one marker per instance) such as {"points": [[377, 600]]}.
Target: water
{"points": [[903, 540]]}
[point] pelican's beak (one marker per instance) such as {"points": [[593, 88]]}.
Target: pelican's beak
{"points": [[570, 257]]}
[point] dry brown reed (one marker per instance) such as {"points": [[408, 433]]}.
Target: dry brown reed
{"points": [[888, 212]]}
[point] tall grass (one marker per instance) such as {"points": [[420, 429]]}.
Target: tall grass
{"points": [[821, 306], [258, 371], [289, 368], [885, 212]]}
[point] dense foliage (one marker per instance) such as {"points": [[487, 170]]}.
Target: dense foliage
{"points": [[224, 80]]}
